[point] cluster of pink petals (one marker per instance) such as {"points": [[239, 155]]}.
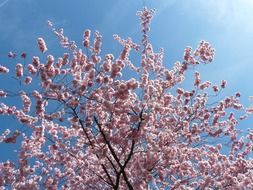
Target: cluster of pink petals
{"points": [[3, 69], [42, 45], [4, 135], [86, 38], [117, 68], [197, 79], [188, 57], [3, 94], [27, 80], [128, 44], [19, 70], [36, 62], [205, 52], [145, 16], [13, 137], [26, 102], [92, 127], [31, 69], [223, 83], [25, 118], [64, 41], [107, 65], [97, 43]]}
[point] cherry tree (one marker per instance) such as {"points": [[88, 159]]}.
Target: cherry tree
{"points": [[92, 127]]}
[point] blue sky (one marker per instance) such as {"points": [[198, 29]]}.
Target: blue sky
{"points": [[226, 24]]}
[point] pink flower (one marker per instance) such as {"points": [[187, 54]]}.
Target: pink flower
{"points": [[86, 38], [28, 80], [197, 79], [215, 88], [3, 69], [26, 102], [205, 52], [4, 134], [36, 62], [31, 69], [42, 45], [89, 126], [19, 70], [146, 15], [3, 94], [205, 85], [180, 91], [223, 83], [97, 43]]}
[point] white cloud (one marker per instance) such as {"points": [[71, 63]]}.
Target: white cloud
{"points": [[230, 13]]}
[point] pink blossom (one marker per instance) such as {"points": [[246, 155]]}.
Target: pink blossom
{"points": [[97, 43], [26, 102], [87, 124], [215, 88], [36, 62], [197, 79], [223, 83], [42, 45], [3, 69], [205, 52], [188, 56], [28, 80], [205, 85], [86, 38], [4, 134], [31, 69], [3, 94], [19, 70]]}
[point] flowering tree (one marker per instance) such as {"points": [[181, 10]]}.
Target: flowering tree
{"points": [[92, 128]]}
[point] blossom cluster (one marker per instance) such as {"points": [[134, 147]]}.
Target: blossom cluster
{"points": [[3, 69], [42, 45], [92, 127]]}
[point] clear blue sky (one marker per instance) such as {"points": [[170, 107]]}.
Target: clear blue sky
{"points": [[226, 24]]}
